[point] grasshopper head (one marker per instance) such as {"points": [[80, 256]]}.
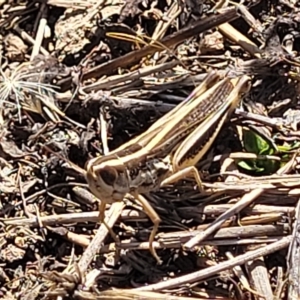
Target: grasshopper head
{"points": [[104, 182]]}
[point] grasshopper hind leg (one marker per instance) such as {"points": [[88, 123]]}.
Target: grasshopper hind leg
{"points": [[151, 213]]}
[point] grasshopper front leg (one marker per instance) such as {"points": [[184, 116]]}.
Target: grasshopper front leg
{"points": [[102, 208]]}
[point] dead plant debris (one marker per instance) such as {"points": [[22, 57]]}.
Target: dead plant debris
{"points": [[79, 79]]}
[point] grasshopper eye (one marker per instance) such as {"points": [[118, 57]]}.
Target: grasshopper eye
{"points": [[109, 175]]}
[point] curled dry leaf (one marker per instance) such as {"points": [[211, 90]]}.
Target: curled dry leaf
{"points": [[9, 149], [211, 43], [15, 47], [12, 253]]}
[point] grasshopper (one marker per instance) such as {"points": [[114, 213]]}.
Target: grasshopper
{"points": [[169, 150]]}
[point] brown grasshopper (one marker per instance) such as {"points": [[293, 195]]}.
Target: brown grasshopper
{"points": [[168, 150]]}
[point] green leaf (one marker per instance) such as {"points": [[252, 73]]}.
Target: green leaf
{"points": [[244, 164], [288, 148], [249, 166], [254, 143]]}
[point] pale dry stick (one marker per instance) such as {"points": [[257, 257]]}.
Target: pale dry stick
{"points": [[256, 209], [112, 81], [235, 36], [79, 4], [222, 266], [225, 236], [227, 232], [74, 238], [40, 32], [38, 218], [128, 245], [245, 155], [259, 277], [267, 182], [293, 259], [281, 283], [238, 38], [128, 88], [237, 270], [162, 26], [96, 244], [92, 216], [92, 276], [277, 123], [261, 219], [245, 201], [27, 213], [122, 294], [103, 125], [295, 229], [82, 195], [137, 215]]}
